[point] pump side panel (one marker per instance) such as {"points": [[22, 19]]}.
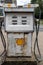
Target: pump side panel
{"points": [[19, 50]]}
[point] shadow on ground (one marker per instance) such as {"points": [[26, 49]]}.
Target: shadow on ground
{"points": [[20, 63]]}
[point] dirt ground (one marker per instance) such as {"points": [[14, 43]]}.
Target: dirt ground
{"points": [[33, 39]]}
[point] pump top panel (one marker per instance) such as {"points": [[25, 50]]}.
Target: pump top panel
{"points": [[19, 19]]}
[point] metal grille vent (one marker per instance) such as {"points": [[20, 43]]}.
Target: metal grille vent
{"points": [[14, 20], [19, 20], [24, 20]]}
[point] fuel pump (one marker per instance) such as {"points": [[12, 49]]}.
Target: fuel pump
{"points": [[19, 26]]}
